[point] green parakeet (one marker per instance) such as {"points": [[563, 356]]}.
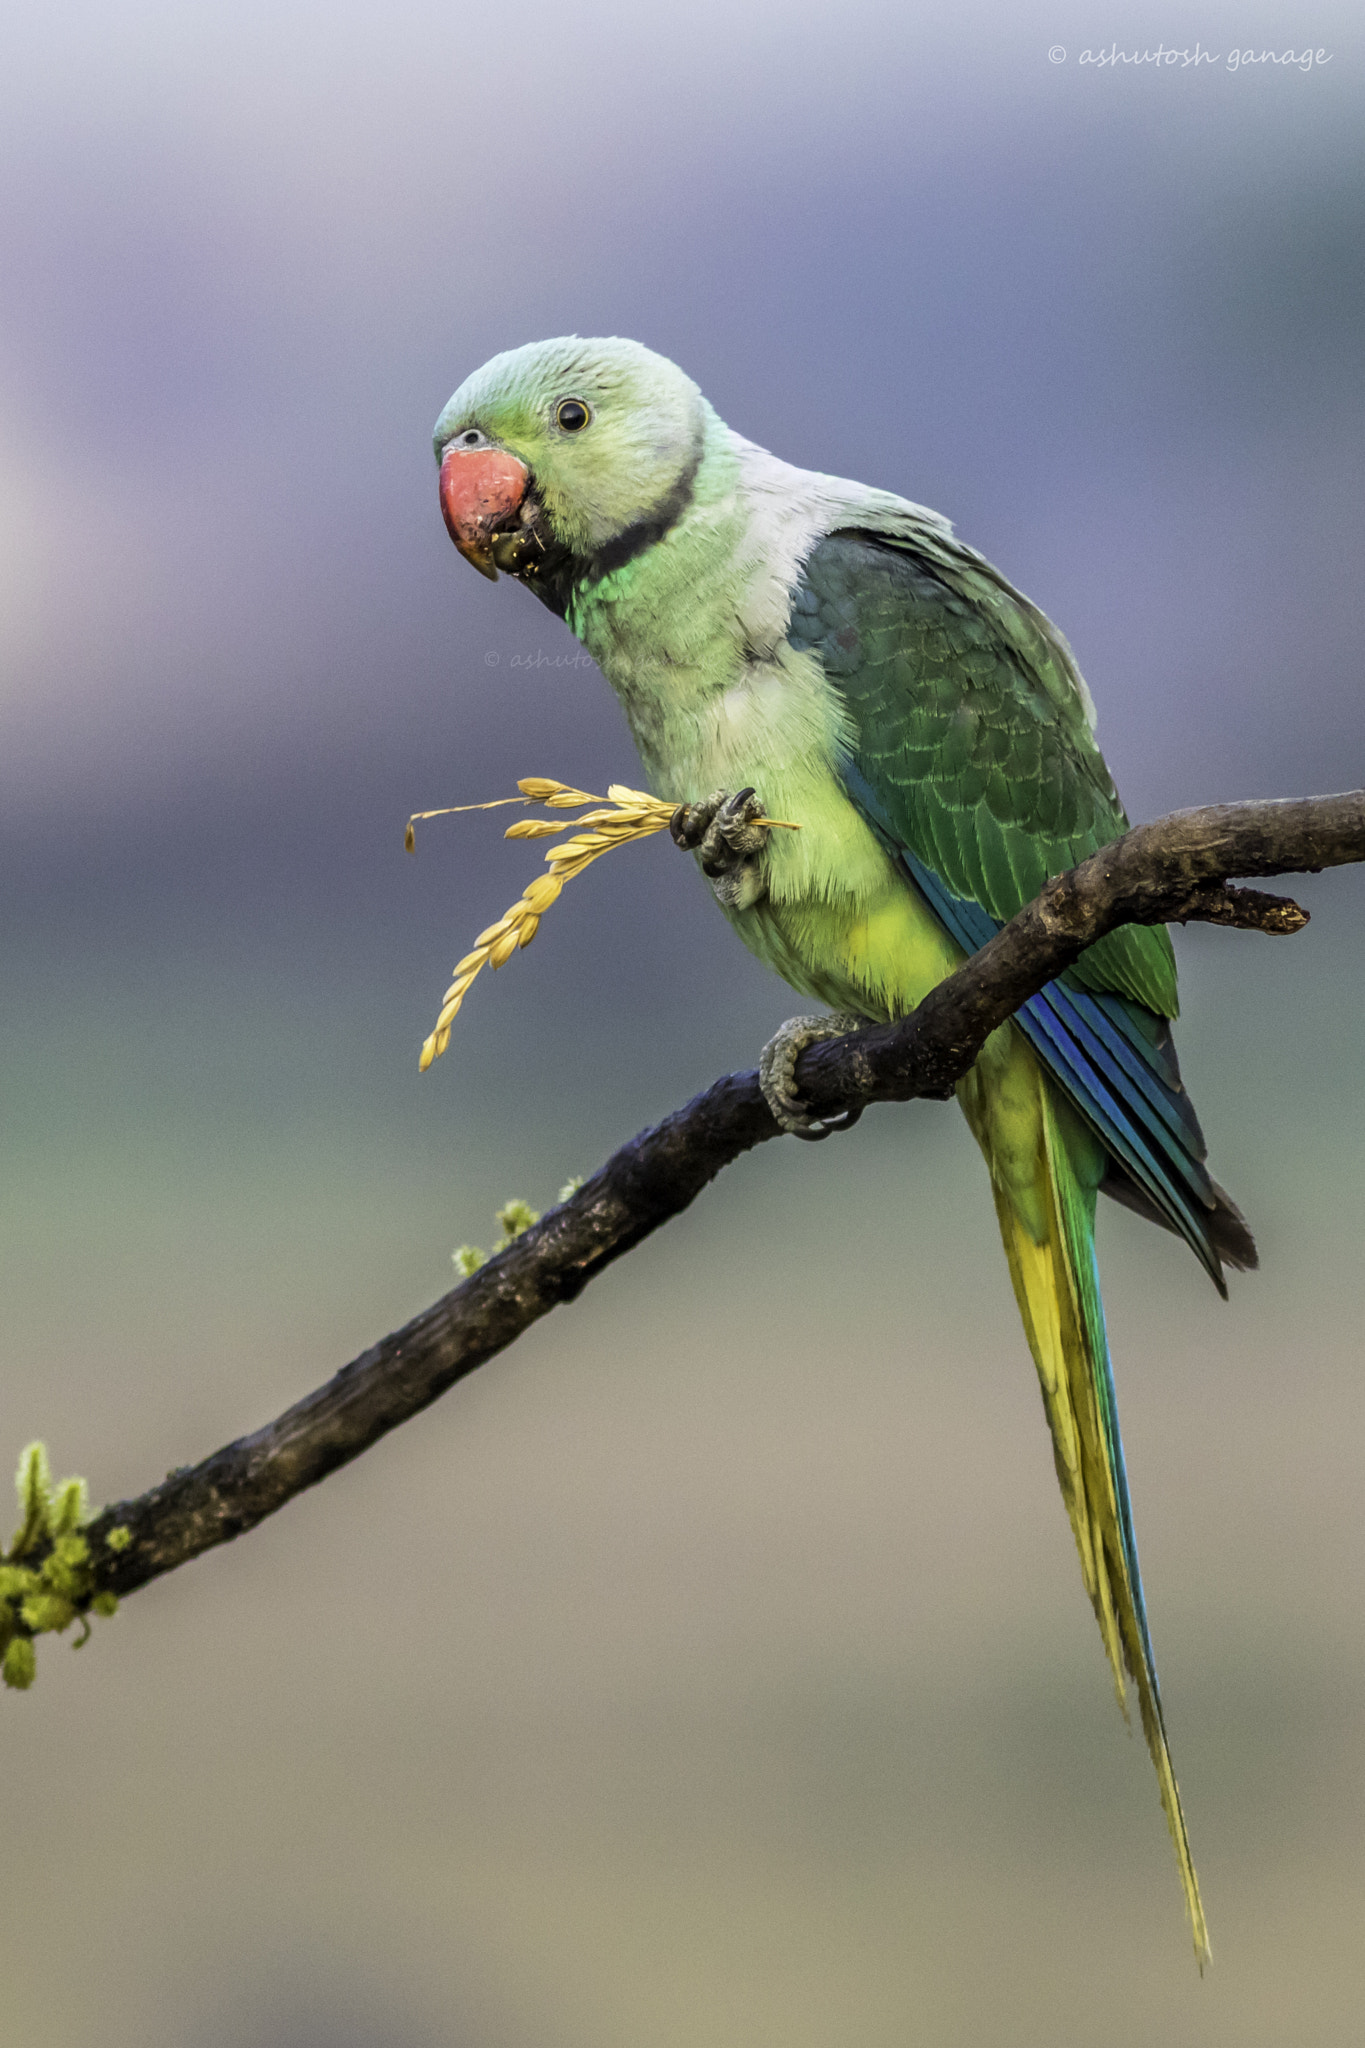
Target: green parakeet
{"points": [[837, 651]]}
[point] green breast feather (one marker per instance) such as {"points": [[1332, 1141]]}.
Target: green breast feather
{"points": [[972, 731]]}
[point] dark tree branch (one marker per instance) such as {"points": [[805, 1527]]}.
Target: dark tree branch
{"points": [[1166, 872]]}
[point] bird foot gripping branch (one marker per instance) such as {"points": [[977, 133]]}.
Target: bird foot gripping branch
{"points": [[728, 831], [777, 1072]]}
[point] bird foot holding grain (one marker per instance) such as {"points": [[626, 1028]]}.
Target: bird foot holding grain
{"points": [[729, 836], [777, 1072]]}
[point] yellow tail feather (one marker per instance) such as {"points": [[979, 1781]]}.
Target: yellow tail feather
{"points": [[1050, 1295]]}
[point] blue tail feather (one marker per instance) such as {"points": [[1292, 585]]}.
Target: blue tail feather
{"points": [[1107, 1018], [1105, 1104]]}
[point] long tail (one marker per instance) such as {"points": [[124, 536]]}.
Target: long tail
{"points": [[1056, 1283]]}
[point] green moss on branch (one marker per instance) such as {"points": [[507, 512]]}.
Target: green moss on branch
{"points": [[47, 1576]]}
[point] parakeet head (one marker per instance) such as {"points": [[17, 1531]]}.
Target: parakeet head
{"points": [[567, 455]]}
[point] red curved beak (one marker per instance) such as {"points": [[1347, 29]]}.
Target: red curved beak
{"points": [[480, 489]]}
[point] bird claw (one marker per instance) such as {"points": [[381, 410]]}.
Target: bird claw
{"points": [[729, 841], [777, 1072]]}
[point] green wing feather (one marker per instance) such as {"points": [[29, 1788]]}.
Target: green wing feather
{"points": [[974, 731]]}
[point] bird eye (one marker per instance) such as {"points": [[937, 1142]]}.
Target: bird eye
{"points": [[571, 415], [470, 438]]}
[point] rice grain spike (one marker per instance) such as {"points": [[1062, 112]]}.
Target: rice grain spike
{"points": [[624, 815]]}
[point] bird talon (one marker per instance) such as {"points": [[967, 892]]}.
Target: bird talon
{"points": [[777, 1073], [732, 839], [729, 842]]}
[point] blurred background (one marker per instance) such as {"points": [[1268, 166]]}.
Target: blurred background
{"points": [[713, 1667]]}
